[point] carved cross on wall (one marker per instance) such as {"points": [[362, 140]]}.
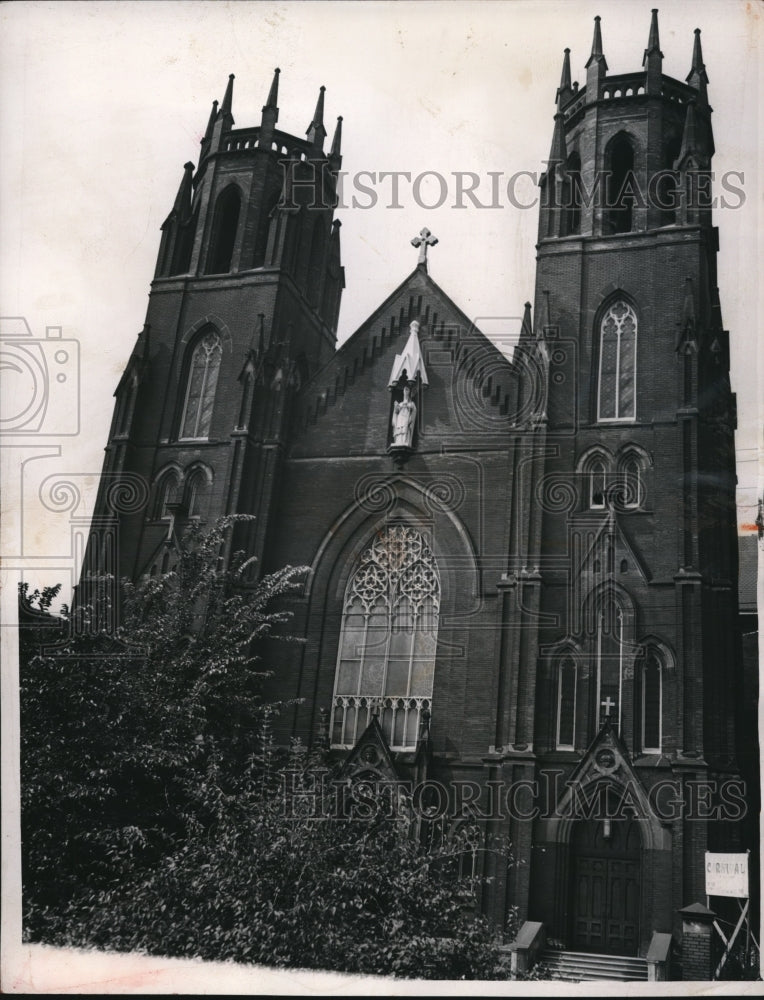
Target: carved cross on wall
{"points": [[424, 240], [608, 704]]}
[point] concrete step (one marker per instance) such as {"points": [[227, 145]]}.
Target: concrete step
{"points": [[577, 966]]}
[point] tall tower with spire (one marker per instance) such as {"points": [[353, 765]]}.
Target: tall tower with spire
{"points": [[637, 675], [243, 310]]}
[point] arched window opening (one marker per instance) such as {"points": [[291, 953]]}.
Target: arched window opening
{"points": [[168, 491], [315, 263], [652, 704], [566, 704], [620, 181], [224, 229], [616, 395], [202, 382], [195, 494], [632, 483], [386, 658], [573, 195], [597, 484]]}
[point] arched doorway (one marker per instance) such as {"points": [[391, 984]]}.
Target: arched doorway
{"points": [[605, 886]]}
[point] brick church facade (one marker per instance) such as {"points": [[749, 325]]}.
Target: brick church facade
{"points": [[523, 572]]}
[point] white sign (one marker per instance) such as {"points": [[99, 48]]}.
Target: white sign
{"points": [[727, 875]]}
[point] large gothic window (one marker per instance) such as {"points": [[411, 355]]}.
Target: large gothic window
{"points": [[616, 396], [202, 382], [386, 655]]}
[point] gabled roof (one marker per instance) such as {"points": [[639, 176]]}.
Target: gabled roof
{"points": [[370, 757], [418, 298]]}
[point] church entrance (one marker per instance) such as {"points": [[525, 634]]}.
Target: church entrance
{"points": [[605, 889]]}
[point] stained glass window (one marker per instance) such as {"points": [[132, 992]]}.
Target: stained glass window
{"points": [[386, 656], [202, 382], [618, 357]]}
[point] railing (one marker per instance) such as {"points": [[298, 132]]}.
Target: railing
{"points": [[625, 85], [243, 139], [399, 719]]}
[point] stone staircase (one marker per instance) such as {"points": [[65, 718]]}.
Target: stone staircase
{"points": [[585, 966]]}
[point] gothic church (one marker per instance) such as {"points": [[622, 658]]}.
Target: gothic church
{"points": [[523, 573]]}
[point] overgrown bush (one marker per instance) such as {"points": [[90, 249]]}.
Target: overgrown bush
{"points": [[157, 814]]}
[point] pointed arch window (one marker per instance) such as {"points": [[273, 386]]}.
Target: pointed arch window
{"points": [[202, 383], [386, 658], [652, 703], [224, 229], [195, 493], [168, 488], [597, 483], [616, 395], [632, 477], [567, 676]]}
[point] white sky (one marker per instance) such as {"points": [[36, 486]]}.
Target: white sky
{"points": [[103, 103]]}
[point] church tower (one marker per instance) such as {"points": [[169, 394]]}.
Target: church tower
{"points": [[637, 674], [243, 309]]}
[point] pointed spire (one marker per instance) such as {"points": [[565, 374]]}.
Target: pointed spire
{"points": [[652, 60], [410, 361], [273, 93], [337, 140], [182, 205], [225, 107], [565, 78], [526, 327], [697, 77], [211, 122], [565, 85], [653, 41], [335, 158], [270, 112], [597, 53], [596, 66], [316, 132]]}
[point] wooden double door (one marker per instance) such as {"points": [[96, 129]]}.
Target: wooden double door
{"points": [[605, 888]]}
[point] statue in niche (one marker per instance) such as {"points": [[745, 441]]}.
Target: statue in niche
{"points": [[404, 415]]}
